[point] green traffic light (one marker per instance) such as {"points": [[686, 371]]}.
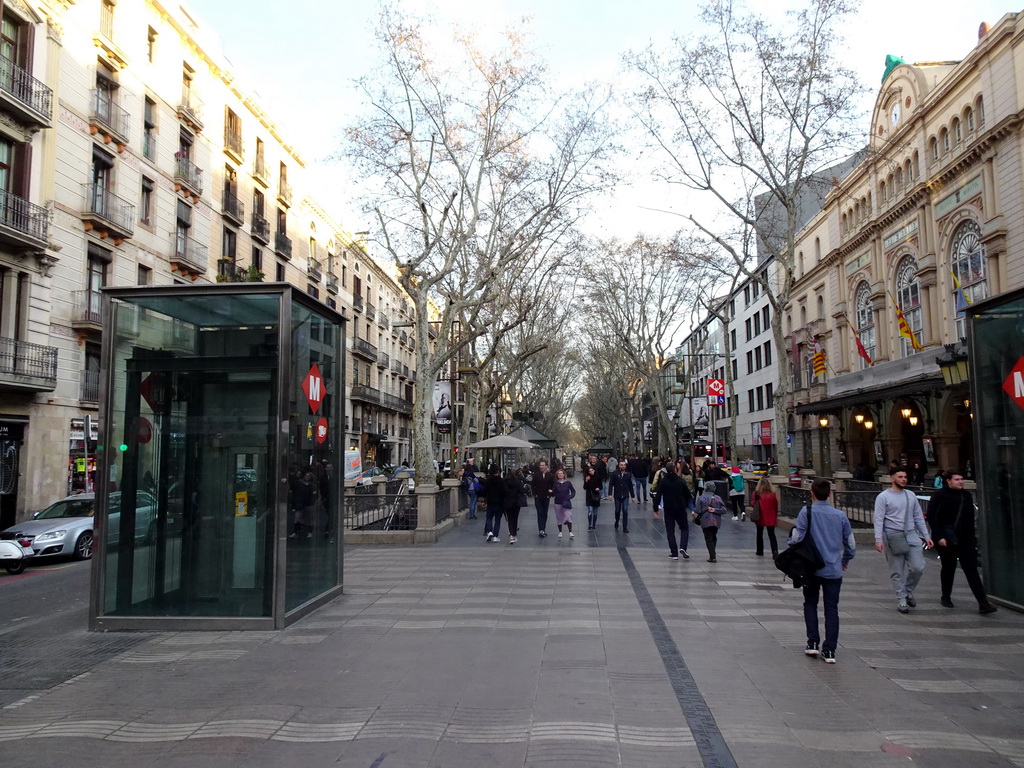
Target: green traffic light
{"points": [[123, 447]]}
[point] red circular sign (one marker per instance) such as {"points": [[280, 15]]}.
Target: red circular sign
{"points": [[321, 431], [144, 433]]}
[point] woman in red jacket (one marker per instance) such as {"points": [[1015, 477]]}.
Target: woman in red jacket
{"points": [[766, 504]]}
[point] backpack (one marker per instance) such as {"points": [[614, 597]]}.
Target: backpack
{"points": [[738, 483], [801, 560]]}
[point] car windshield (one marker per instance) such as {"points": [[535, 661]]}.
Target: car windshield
{"points": [[68, 508]]}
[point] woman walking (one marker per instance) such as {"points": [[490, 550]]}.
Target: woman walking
{"points": [[951, 517], [515, 499], [494, 492], [564, 493], [737, 493], [708, 515], [592, 492], [765, 514]]}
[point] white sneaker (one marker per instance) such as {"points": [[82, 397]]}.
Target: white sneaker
{"points": [[572, 535], [512, 540], [496, 540], [734, 517], [490, 536], [559, 534]]}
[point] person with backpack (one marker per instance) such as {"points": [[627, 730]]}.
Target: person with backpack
{"points": [[737, 492], [656, 479], [833, 538], [708, 515], [472, 485]]}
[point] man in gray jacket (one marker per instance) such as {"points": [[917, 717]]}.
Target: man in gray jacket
{"points": [[901, 532]]}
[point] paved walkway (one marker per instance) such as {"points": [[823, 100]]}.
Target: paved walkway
{"points": [[597, 651]]}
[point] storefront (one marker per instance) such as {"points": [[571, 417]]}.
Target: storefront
{"points": [[996, 350], [219, 504]]}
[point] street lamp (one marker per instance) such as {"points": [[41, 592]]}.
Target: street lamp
{"points": [[953, 364], [869, 424], [823, 421]]}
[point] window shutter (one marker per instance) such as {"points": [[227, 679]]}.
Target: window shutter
{"points": [[21, 183]]}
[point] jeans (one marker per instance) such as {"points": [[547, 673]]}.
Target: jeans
{"points": [[622, 511], [771, 539], [641, 486], [711, 539], [906, 570], [493, 522], [542, 503], [591, 517], [672, 519], [966, 552], [830, 589], [472, 502], [512, 516]]}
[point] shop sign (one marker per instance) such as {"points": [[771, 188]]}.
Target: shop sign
{"points": [[1014, 383], [12, 431], [762, 432]]}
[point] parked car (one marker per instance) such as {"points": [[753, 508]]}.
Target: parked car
{"points": [[66, 527], [795, 478], [761, 468]]}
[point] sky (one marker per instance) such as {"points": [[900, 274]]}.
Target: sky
{"points": [[304, 70]]}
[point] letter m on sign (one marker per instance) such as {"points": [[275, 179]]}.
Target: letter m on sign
{"points": [[313, 386], [1014, 383]]}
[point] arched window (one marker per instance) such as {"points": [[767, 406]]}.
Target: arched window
{"points": [[908, 296], [945, 141], [865, 318], [979, 107], [898, 184], [967, 257], [915, 166], [934, 144], [958, 135]]}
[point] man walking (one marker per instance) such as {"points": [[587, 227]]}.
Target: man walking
{"points": [[675, 497], [543, 484], [620, 485], [833, 538], [901, 532], [613, 463], [640, 469], [469, 481]]}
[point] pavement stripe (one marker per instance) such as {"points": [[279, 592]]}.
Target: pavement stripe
{"points": [[710, 742]]}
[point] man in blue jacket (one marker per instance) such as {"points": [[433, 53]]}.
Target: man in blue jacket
{"points": [[833, 537]]}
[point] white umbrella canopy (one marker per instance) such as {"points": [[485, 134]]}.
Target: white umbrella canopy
{"points": [[501, 441]]}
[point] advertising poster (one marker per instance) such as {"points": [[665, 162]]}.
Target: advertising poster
{"points": [[443, 406]]}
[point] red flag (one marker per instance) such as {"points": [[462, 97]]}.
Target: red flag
{"points": [[904, 327], [860, 348]]}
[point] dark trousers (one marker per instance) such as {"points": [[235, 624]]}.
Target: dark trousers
{"points": [[542, 503], [739, 505], [622, 511], [966, 552], [830, 589], [672, 519], [512, 516], [771, 539], [711, 539], [492, 524]]}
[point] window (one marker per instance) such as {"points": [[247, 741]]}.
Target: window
{"points": [[944, 136], [187, 76], [735, 369], [257, 259], [757, 358], [260, 164], [151, 45], [149, 129], [232, 133], [144, 275], [769, 395], [979, 107], [908, 296], [865, 318], [259, 203], [746, 296], [313, 291], [15, 162], [750, 361], [766, 318], [958, 135], [749, 336], [185, 141], [968, 260], [227, 245], [933, 146], [107, 19], [750, 400], [279, 273], [732, 338], [821, 307], [182, 228], [15, 46], [282, 221], [757, 324], [970, 120], [146, 202], [768, 353], [96, 276], [755, 289], [760, 398]]}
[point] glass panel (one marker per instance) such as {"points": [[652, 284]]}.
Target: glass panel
{"points": [[193, 411], [314, 490], [996, 349]]}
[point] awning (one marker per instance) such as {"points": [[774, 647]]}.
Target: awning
{"points": [[924, 386]]}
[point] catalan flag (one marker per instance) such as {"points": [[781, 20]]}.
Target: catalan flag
{"points": [[904, 327], [818, 360]]}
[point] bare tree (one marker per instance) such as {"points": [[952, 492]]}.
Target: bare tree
{"points": [[471, 168], [750, 117]]}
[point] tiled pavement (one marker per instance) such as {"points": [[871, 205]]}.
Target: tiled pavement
{"points": [[597, 651]]}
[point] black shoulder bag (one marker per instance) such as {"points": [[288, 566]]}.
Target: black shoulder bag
{"points": [[801, 560]]}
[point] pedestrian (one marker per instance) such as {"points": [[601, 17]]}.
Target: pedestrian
{"points": [[675, 496], [612, 464], [304, 499], [902, 533], [620, 484], [515, 499], [543, 484], [601, 469], [708, 513], [592, 493], [564, 493], [737, 494], [833, 537], [471, 483], [765, 515], [494, 493], [659, 474], [640, 469], [951, 517]]}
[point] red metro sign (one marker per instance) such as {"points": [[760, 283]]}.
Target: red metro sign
{"points": [[313, 386], [1014, 384]]}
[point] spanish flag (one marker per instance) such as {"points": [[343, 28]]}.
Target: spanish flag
{"points": [[904, 327]]}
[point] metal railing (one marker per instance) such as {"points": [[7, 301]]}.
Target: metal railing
{"points": [[232, 206], [365, 393], [380, 512], [396, 403], [314, 269], [109, 114], [149, 144], [371, 311], [233, 143], [283, 244], [259, 169], [260, 228], [191, 252], [332, 283], [396, 367], [191, 107], [188, 173], [859, 506], [365, 347], [90, 387], [357, 303], [26, 359], [88, 306], [442, 505], [383, 359], [22, 86], [101, 202], [284, 192], [25, 217]]}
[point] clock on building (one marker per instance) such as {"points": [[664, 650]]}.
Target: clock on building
{"points": [[894, 114]]}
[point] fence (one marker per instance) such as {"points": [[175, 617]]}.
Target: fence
{"points": [[859, 506], [380, 512], [443, 505]]}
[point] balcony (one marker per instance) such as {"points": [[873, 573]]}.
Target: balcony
{"points": [[357, 303], [190, 258], [233, 208], [234, 147], [383, 320], [187, 175], [22, 224], [28, 99], [284, 193], [260, 229], [107, 214], [383, 360], [27, 367], [396, 367], [89, 389], [412, 375], [371, 312], [190, 110], [108, 119], [396, 403], [405, 372], [364, 349], [259, 171], [227, 272], [332, 284], [87, 308], [283, 244], [365, 393], [403, 337], [314, 269]]}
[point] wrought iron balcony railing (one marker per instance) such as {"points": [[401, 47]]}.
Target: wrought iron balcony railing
{"points": [[23, 364], [314, 268], [259, 170], [233, 144], [110, 209], [232, 206], [88, 307], [191, 253], [283, 244], [190, 109], [260, 228], [357, 303], [23, 217], [90, 387], [383, 359], [188, 173], [365, 393], [284, 193], [30, 92], [364, 348], [108, 114]]}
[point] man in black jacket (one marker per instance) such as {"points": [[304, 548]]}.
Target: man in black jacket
{"points": [[675, 498], [621, 486], [543, 484], [640, 470]]}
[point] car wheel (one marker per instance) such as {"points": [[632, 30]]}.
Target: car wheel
{"points": [[83, 546]]}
